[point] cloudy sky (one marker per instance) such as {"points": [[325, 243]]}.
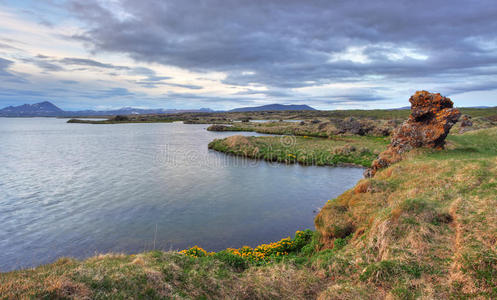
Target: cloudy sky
{"points": [[341, 54]]}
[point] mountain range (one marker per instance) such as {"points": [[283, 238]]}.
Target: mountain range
{"points": [[48, 109], [271, 107]]}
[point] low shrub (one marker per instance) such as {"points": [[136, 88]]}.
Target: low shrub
{"points": [[234, 261]]}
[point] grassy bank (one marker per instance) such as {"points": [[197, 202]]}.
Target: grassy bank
{"points": [[425, 227], [357, 150], [245, 273]]}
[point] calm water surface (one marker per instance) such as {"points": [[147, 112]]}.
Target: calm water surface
{"points": [[80, 189]]}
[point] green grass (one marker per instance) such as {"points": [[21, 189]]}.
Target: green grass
{"points": [[356, 150]]}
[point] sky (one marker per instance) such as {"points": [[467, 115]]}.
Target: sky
{"points": [[333, 54]]}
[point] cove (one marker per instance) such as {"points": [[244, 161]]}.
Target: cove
{"points": [[78, 189]]}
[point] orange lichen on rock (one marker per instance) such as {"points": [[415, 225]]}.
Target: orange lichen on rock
{"points": [[432, 116]]}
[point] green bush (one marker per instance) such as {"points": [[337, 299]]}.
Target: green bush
{"points": [[302, 238], [234, 261]]}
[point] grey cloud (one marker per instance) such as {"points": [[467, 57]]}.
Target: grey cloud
{"points": [[289, 43], [153, 84], [206, 98], [7, 75], [186, 86], [90, 63], [68, 81], [268, 93], [51, 64], [152, 80], [47, 66], [7, 46], [484, 85], [5, 63]]}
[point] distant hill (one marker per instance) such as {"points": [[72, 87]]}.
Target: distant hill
{"points": [[48, 109], [42, 109], [270, 107]]}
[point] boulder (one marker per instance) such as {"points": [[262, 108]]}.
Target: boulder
{"points": [[465, 123], [432, 117], [355, 126], [352, 126]]}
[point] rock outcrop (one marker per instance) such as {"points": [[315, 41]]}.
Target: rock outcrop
{"points": [[432, 116], [355, 126], [466, 123]]}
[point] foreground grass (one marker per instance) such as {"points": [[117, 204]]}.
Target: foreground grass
{"points": [[356, 150], [425, 227], [245, 273]]}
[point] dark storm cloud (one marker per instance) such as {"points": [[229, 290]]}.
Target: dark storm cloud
{"points": [[289, 44]]}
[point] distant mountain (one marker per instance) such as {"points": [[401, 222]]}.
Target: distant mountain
{"points": [[270, 107], [47, 109], [132, 111], [42, 109]]}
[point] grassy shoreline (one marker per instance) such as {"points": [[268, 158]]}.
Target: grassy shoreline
{"points": [[344, 150]]}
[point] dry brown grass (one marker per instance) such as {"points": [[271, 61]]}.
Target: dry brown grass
{"points": [[432, 213], [279, 281], [65, 288]]}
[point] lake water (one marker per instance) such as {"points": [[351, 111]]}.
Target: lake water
{"points": [[81, 189]]}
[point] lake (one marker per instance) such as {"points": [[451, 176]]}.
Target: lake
{"points": [[80, 189]]}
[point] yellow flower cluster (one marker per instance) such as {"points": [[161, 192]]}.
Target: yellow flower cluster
{"points": [[260, 253], [291, 155], [264, 251], [196, 251]]}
